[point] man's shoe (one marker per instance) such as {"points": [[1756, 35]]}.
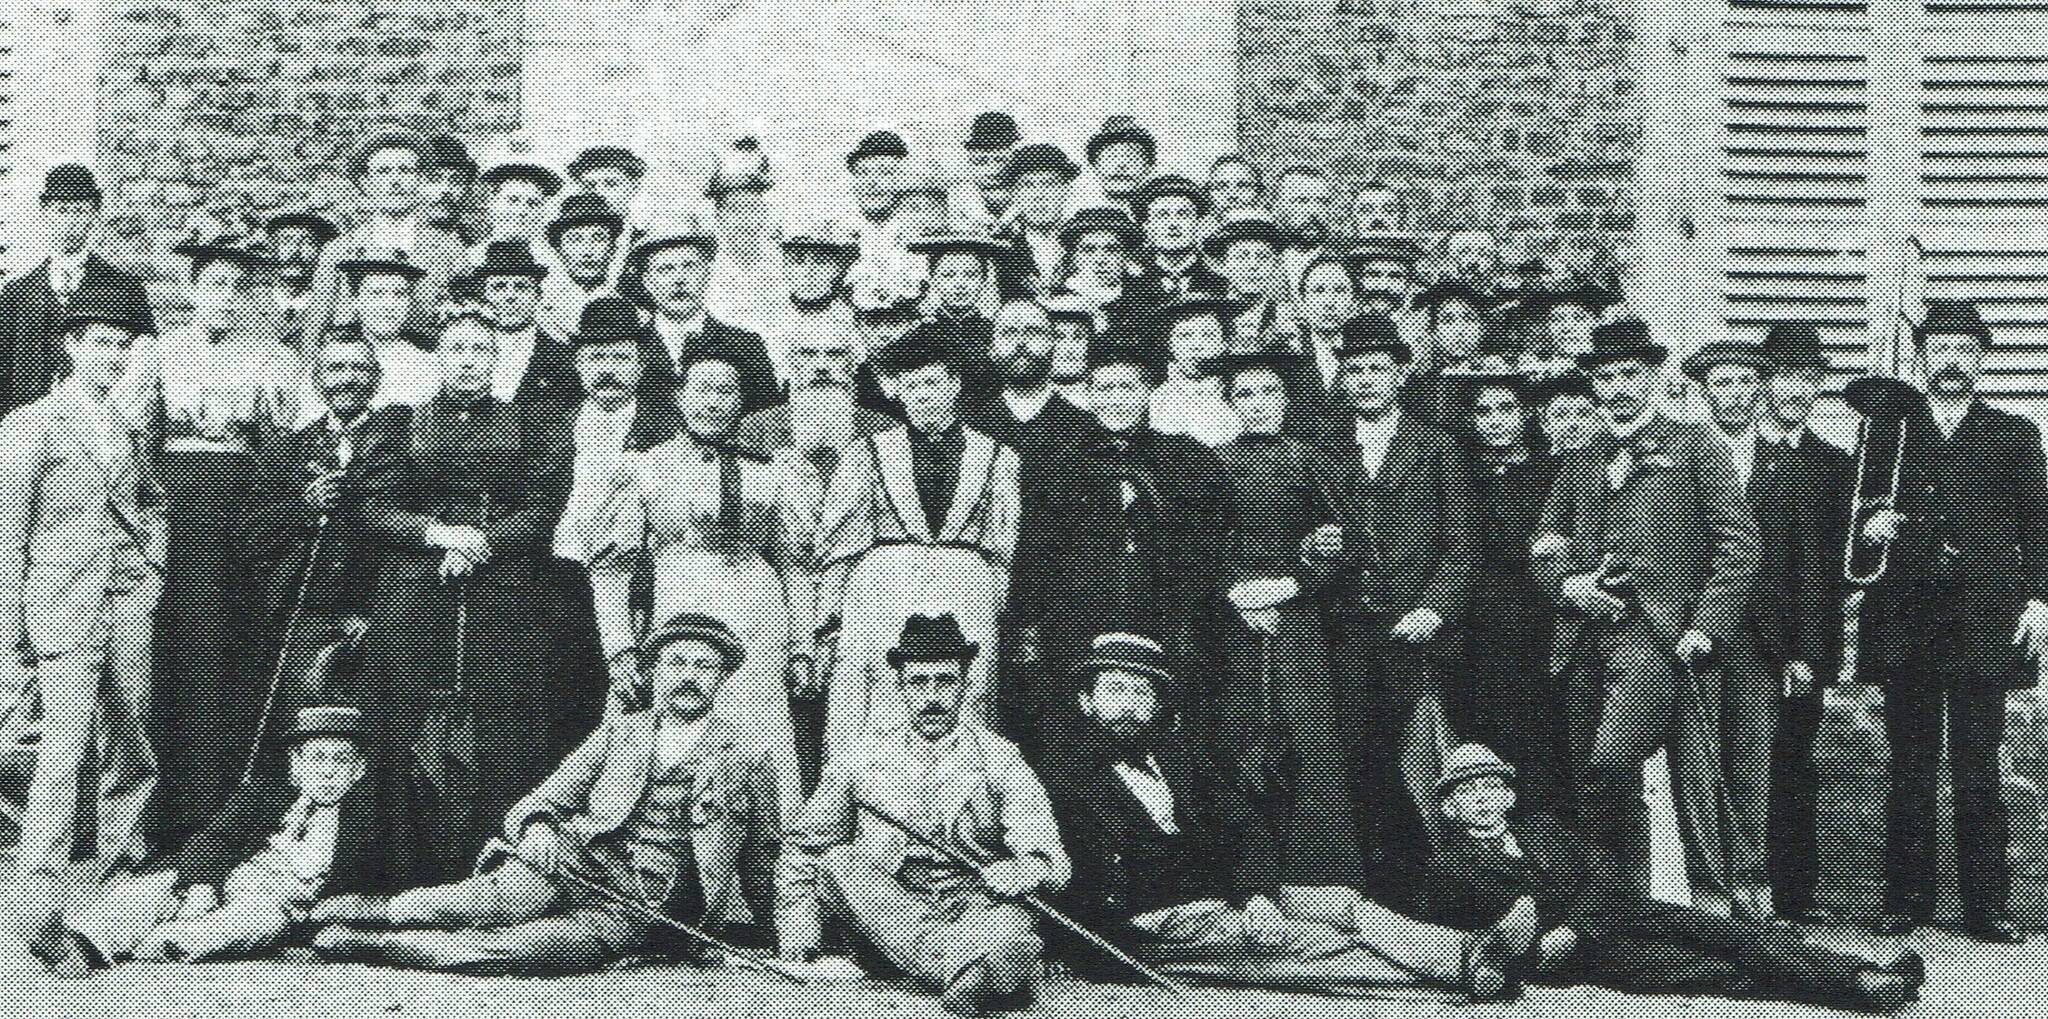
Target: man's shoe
{"points": [[1556, 949], [1519, 927], [1993, 929], [1912, 968], [1485, 967], [1813, 915], [972, 993], [337, 943], [75, 958], [1895, 925], [1882, 990], [370, 911]]}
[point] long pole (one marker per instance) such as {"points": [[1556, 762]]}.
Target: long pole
{"points": [[284, 646]]}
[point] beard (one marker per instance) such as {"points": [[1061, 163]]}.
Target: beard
{"points": [[1025, 370], [1130, 740], [1951, 378]]}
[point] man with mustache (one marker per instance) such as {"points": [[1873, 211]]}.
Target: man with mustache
{"points": [[297, 239], [1174, 866], [668, 275], [953, 929], [629, 809], [816, 255], [1027, 415], [1121, 155], [390, 169], [1650, 547], [1305, 204], [1958, 620]]}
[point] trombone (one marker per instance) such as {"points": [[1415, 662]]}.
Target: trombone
{"points": [[1884, 404]]}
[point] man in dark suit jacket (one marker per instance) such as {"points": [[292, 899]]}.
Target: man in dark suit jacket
{"points": [[1393, 577], [1649, 541], [1958, 620], [1027, 414], [668, 276], [33, 305], [535, 366]]}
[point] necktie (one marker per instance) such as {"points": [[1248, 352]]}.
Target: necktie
{"points": [[728, 490], [65, 281]]}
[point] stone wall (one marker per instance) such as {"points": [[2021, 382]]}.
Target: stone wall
{"points": [[245, 107], [1520, 117]]}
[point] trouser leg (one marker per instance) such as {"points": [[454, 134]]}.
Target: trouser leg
{"points": [[125, 911], [1976, 727], [70, 688], [511, 892], [130, 776], [1748, 724], [1424, 950], [574, 942], [1912, 724], [237, 927], [1699, 787], [1622, 696], [1675, 949], [931, 940], [1795, 789], [1209, 941]]}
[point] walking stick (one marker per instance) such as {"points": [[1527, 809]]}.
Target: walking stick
{"points": [[284, 643], [746, 957], [1037, 904]]}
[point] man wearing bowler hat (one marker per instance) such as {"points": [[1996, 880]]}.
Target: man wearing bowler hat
{"points": [[611, 421], [585, 236], [516, 194], [390, 169], [1958, 620], [991, 140], [1649, 544], [668, 275], [297, 238], [953, 928], [534, 366], [612, 173], [33, 306], [1041, 181], [1121, 155]]}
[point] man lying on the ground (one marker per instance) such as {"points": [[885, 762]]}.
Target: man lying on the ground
{"points": [[1177, 869], [244, 883], [1599, 931], [672, 808]]}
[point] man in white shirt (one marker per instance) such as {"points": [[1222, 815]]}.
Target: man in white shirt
{"points": [[533, 365], [612, 420], [668, 275]]}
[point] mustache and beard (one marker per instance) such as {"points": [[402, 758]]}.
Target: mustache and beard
{"points": [[1130, 739], [348, 395], [1950, 377], [1026, 369], [607, 382], [1312, 234]]}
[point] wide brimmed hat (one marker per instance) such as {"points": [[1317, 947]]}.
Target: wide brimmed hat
{"points": [[1126, 652], [608, 157], [1102, 219], [71, 182], [1374, 333], [1168, 185], [1626, 340], [1195, 304], [1587, 295], [1447, 291], [1109, 353], [1946, 316], [322, 228], [579, 210], [1569, 383], [1792, 345], [1245, 225], [1712, 355], [548, 181], [1468, 761], [924, 344], [932, 639], [509, 258], [446, 152], [1040, 157], [700, 627], [392, 264], [330, 721], [608, 318], [1123, 128], [934, 245], [991, 131], [878, 143], [821, 233], [1226, 365], [95, 301], [246, 252]]}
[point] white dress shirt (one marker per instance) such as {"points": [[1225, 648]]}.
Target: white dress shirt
{"points": [[1742, 452], [677, 337], [1151, 791], [1374, 437], [598, 429], [515, 351], [67, 272]]}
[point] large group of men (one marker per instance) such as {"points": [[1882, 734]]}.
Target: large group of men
{"points": [[1070, 561]]}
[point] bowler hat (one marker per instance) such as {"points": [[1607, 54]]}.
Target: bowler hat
{"points": [[700, 627], [1123, 128], [1948, 316], [1384, 248], [1244, 225], [1468, 761], [509, 258], [1374, 333], [1438, 294], [1120, 351], [1101, 219], [1626, 340], [71, 182], [1070, 308], [821, 233], [934, 245], [331, 721], [1195, 304], [924, 344], [1168, 185], [878, 143], [446, 152], [389, 138], [1720, 352], [583, 209], [548, 181], [608, 157], [322, 228], [991, 131], [932, 639], [608, 318], [1789, 345], [1563, 384], [95, 301], [1589, 296], [393, 264], [1039, 157], [1126, 652]]}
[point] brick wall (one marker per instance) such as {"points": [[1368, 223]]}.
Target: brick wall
{"points": [[1518, 117], [243, 107]]}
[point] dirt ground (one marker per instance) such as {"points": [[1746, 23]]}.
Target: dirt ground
{"points": [[1964, 980]]}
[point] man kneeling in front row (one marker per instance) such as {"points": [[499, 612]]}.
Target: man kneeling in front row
{"points": [[673, 808], [1178, 870]]}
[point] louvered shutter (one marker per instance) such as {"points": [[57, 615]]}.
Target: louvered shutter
{"points": [[9, 175]]}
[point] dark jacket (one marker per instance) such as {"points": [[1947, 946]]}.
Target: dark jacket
{"points": [[278, 529], [1410, 535], [31, 321], [551, 378], [759, 385], [1470, 883], [254, 813], [1055, 428], [1800, 499]]}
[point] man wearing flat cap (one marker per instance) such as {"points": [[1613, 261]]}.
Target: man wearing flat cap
{"points": [[668, 275], [1958, 620], [673, 808], [1650, 547], [952, 928], [389, 169], [1173, 213], [33, 305], [516, 194], [610, 172], [585, 237], [1121, 155]]}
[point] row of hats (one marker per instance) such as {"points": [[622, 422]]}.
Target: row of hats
{"points": [[995, 131]]}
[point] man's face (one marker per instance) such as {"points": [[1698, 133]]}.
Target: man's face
{"points": [[1260, 399], [1021, 345], [1480, 804], [587, 252], [957, 279], [676, 279], [1371, 382], [392, 182], [1459, 329], [610, 371], [1099, 256], [1732, 391], [1122, 166], [219, 300], [1474, 255], [1250, 267], [1195, 339], [512, 300], [1791, 392], [1040, 198], [1172, 224], [1624, 388], [99, 354], [297, 250], [1382, 283], [686, 676], [929, 395], [1124, 703], [69, 224], [931, 693], [1071, 339], [988, 166], [1327, 297], [1117, 393], [813, 274], [1570, 422], [822, 358], [443, 190], [615, 186], [383, 303], [517, 209], [1376, 210], [349, 374], [710, 399], [1955, 361], [1571, 328], [1305, 207], [1497, 418], [325, 768], [1233, 185], [876, 182], [467, 353]]}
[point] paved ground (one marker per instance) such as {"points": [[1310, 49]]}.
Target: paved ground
{"points": [[1965, 980]]}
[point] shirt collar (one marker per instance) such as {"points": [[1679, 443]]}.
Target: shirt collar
{"points": [[949, 431], [692, 326], [1633, 428], [1384, 426], [1767, 431]]}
